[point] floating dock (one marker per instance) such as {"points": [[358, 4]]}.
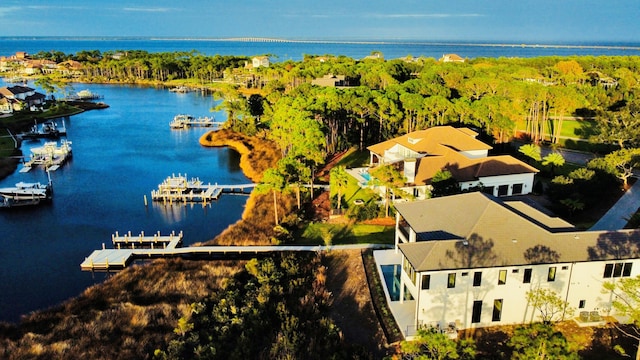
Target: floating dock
{"points": [[183, 121], [182, 189]]}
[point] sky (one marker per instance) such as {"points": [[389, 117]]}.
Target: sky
{"points": [[539, 21]]}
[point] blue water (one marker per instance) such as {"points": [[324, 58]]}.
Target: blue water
{"points": [[391, 274], [282, 51], [119, 155]]}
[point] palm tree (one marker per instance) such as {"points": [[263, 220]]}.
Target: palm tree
{"points": [[339, 180], [273, 181], [554, 160], [532, 151]]}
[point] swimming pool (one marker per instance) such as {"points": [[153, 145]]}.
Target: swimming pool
{"points": [[391, 274]]}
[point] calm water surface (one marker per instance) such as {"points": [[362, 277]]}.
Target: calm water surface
{"points": [[282, 51], [119, 155]]}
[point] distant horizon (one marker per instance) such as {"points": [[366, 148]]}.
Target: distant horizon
{"points": [[470, 42]]}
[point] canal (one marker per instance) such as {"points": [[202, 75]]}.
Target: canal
{"points": [[120, 154]]}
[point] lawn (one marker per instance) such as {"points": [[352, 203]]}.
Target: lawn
{"points": [[341, 234], [7, 144], [575, 129]]}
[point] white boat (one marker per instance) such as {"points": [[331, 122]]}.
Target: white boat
{"points": [[50, 155], [49, 129], [25, 194], [183, 121], [180, 89], [84, 95]]}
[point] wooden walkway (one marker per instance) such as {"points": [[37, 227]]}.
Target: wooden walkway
{"points": [[117, 259]]}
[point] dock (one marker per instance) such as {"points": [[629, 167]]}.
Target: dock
{"points": [[50, 156], [183, 121], [182, 189], [139, 247]]}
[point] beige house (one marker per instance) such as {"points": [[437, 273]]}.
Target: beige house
{"points": [[451, 58], [331, 81], [21, 97], [259, 61], [421, 154]]}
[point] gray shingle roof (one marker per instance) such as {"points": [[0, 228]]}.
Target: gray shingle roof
{"points": [[476, 230]]}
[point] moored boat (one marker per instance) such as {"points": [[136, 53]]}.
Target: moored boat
{"points": [[23, 194], [48, 130]]}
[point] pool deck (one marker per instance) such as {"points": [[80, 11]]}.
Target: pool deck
{"points": [[357, 173], [405, 312]]}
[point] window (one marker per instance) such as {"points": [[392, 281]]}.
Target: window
{"points": [[617, 269], [451, 283], [406, 265], [582, 304], [477, 311], [627, 269], [565, 267], [515, 271], [527, 276], [464, 274], [502, 277], [517, 189], [497, 310], [477, 278], [608, 270], [552, 274], [503, 190], [488, 190], [426, 282]]}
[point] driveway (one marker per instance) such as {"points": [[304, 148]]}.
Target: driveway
{"points": [[616, 218]]}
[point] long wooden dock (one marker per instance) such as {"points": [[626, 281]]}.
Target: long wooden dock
{"points": [[117, 259], [182, 189]]}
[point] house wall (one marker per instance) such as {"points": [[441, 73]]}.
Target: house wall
{"points": [[475, 154], [496, 181], [398, 152], [441, 305]]}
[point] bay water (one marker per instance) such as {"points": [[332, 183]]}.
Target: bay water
{"points": [[295, 50], [120, 154]]}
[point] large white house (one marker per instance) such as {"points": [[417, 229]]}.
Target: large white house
{"points": [[421, 154], [468, 261]]}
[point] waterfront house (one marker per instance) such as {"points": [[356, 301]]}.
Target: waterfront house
{"points": [[258, 61], [468, 261], [451, 58], [421, 154], [22, 97]]}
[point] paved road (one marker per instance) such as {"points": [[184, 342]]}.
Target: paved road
{"points": [[616, 218], [570, 156]]}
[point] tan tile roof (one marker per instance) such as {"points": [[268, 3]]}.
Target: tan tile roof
{"points": [[476, 230], [429, 141], [443, 144]]}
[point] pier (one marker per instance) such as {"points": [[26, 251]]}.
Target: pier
{"points": [[50, 155], [187, 121], [182, 189], [138, 247]]}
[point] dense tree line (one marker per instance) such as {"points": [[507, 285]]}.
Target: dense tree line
{"points": [[140, 65]]}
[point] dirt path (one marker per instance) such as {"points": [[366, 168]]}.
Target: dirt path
{"points": [[352, 308]]}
